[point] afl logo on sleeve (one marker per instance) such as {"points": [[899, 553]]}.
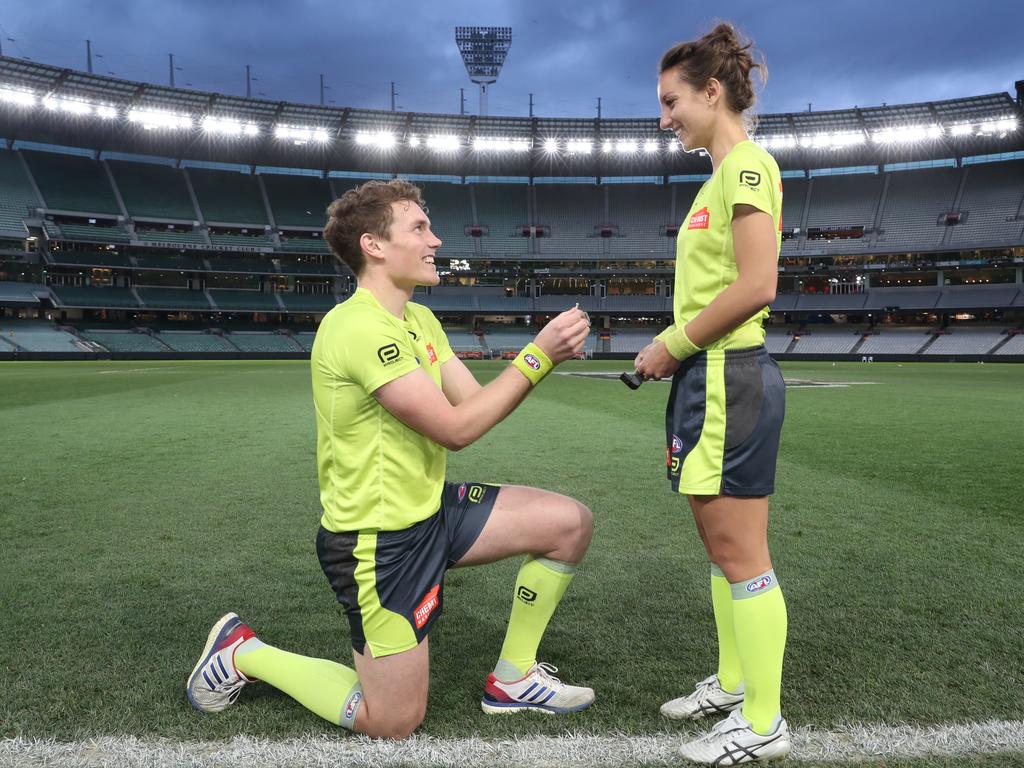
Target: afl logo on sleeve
{"points": [[750, 179], [388, 354]]}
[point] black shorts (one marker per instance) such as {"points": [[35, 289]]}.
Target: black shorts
{"points": [[391, 583], [723, 423]]}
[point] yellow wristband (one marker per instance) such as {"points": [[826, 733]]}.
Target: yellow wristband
{"points": [[533, 363], [677, 342]]}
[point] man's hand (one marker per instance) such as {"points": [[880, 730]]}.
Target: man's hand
{"points": [[655, 361], [563, 338]]}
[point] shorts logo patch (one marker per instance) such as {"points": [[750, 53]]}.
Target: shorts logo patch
{"points": [[700, 219], [526, 594], [353, 703], [675, 465], [462, 492], [476, 493], [431, 354], [388, 354], [532, 361], [426, 607], [750, 179], [758, 585], [677, 444]]}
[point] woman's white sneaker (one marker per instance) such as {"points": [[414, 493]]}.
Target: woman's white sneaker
{"points": [[709, 698]]}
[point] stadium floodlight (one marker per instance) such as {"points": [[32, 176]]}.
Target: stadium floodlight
{"points": [[673, 146], [151, 119], [486, 144], [961, 129], [379, 139], [71, 106], [551, 146], [228, 127], [608, 146], [444, 143], [651, 146], [579, 146], [626, 146], [414, 141], [907, 134], [299, 135], [20, 98], [483, 51], [106, 112]]}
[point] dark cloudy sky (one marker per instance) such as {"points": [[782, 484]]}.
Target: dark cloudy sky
{"points": [[566, 52]]}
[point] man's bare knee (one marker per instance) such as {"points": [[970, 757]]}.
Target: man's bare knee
{"points": [[396, 726]]}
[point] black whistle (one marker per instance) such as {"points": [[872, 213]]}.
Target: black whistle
{"points": [[632, 380]]}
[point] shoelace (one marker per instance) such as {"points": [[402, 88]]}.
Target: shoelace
{"points": [[546, 671], [731, 723]]}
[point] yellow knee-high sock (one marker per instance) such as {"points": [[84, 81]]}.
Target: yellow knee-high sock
{"points": [[326, 688], [539, 588], [759, 615], [730, 674]]}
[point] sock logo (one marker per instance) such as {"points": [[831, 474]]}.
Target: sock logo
{"points": [[426, 607], [759, 584], [353, 705], [526, 594]]}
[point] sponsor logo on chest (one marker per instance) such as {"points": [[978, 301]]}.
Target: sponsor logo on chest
{"points": [[700, 219]]}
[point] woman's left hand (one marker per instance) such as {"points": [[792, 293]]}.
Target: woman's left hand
{"points": [[655, 361]]}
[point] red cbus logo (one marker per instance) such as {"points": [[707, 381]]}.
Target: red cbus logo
{"points": [[700, 219], [427, 606]]}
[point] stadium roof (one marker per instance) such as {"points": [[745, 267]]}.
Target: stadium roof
{"points": [[43, 103]]}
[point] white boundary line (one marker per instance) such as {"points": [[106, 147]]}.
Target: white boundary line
{"points": [[852, 743]]}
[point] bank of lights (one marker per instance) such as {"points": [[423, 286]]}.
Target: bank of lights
{"points": [[225, 126], [78, 107], [446, 143], [299, 135], [379, 139], [155, 119], [17, 97], [486, 144]]}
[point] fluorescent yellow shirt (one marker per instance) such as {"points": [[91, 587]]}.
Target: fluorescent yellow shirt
{"points": [[705, 260], [375, 473]]}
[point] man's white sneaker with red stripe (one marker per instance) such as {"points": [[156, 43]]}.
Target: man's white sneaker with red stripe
{"points": [[538, 690], [215, 682]]}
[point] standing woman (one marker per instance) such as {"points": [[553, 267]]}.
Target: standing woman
{"points": [[726, 407]]}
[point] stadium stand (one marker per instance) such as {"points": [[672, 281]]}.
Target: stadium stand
{"points": [[895, 341], [296, 244], [251, 301], [195, 341], [20, 294], [255, 241], [571, 211], [450, 211], [297, 201], [914, 202], [171, 261], [977, 296], [965, 341], [72, 183], [904, 298], [173, 298], [124, 341], [255, 341], [306, 302], [631, 341], [842, 202], [38, 336], [17, 197], [504, 210], [228, 197], [991, 204], [153, 191], [305, 340], [76, 296], [777, 341], [639, 213], [92, 233], [168, 236], [827, 342], [1013, 346]]}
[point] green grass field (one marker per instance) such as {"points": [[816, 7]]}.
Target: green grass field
{"points": [[141, 501]]}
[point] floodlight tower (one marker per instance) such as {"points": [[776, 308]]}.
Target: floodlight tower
{"points": [[483, 52]]}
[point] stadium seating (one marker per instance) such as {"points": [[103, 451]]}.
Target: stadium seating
{"points": [[794, 198], [992, 199], [965, 341], [72, 183], [250, 301], [240, 264], [17, 198], [77, 296], [639, 212], [92, 233], [824, 341], [636, 303], [571, 211], [1013, 346], [904, 298], [895, 341], [153, 191], [173, 298], [170, 236], [450, 211], [228, 197], [306, 302], [38, 336], [305, 340], [252, 241], [977, 296], [631, 341], [914, 202], [777, 340], [20, 294], [294, 244], [842, 201], [195, 341], [503, 209], [297, 201], [502, 305], [124, 341], [113, 259], [171, 261], [253, 341]]}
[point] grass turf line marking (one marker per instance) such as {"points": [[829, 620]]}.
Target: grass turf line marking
{"points": [[841, 744], [790, 383]]}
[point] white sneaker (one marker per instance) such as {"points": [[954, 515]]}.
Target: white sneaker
{"points": [[538, 690], [708, 698], [733, 741], [215, 682]]}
